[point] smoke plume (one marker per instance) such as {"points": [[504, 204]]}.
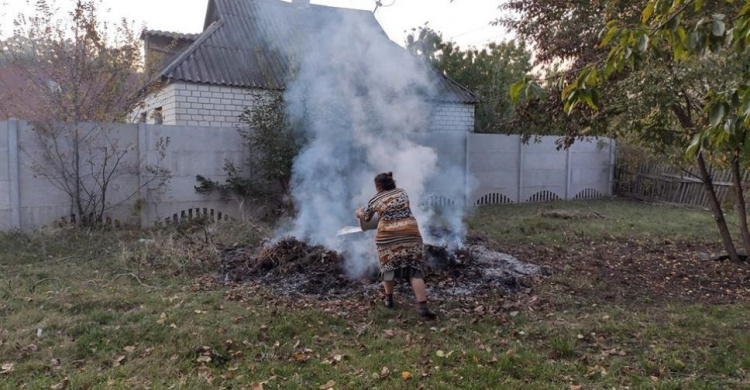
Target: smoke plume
{"points": [[361, 100]]}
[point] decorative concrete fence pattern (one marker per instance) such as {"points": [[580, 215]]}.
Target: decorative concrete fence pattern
{"points": [[501, 169], [28, 201], [506, 170]]}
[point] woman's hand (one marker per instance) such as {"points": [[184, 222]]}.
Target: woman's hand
{"points": [[359, 214]]}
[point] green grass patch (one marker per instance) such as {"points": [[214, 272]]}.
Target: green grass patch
{"points": [[105, 311], [594, 219]]}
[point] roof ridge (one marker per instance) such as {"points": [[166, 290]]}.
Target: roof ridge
{"points": [[290, 4], [215, 26], [457, 84], [170, 33]]}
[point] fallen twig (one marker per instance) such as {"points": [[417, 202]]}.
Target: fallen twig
{"points": [[134, 276], [33, 287], [60, 260]]}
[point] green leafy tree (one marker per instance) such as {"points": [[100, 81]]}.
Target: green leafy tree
{"points": [[564, 37], [272, 143], [688, 61], [564, 32], [488, 72], [272, 140]]}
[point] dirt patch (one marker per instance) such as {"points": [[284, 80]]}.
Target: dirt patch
{"points": [[294, 267], [637, 271]]}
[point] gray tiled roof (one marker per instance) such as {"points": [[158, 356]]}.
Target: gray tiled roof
{"points": [[235, 47]]}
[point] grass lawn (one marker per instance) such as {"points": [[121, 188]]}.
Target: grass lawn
{"points": [[104, 310], [608, 219]]}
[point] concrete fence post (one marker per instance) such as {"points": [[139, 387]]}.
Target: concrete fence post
{"points": [[520, 169], [13, 167], [143, 212], [467, 170], [612, 162], [568, 173]]}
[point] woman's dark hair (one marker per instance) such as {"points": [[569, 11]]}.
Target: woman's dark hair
{"points": [[384, 181]]}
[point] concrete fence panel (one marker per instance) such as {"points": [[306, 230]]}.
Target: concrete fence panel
{"points": [[592, 169], [41, 184], [494, 166], [473, 169], [448, 186], [31, 196], [8, 176], [190, 151], [507, 170]]}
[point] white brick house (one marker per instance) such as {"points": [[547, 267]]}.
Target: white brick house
{"points": [[210, 78], [192, 104]]}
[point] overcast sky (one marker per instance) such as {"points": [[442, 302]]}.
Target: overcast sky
{"points": [[465, 21]]}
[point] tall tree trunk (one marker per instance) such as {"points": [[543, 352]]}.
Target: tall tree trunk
{"points": [[740, 195], [684, 115], [721, 222]]}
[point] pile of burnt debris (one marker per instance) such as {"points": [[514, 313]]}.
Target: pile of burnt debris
{"points": [[291, 266]]}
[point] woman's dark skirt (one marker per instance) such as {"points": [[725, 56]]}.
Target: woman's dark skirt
{"points": [[404, 273]]}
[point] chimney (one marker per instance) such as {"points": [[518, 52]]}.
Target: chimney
{"points": [[301, 3]]}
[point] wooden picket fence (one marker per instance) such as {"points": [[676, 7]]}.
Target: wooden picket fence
{"points": [[649, 180]]}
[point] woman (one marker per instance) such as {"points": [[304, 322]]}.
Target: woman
{"points": [[400, 247]]}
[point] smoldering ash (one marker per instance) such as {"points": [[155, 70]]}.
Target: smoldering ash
{"points": [[359, 98]]}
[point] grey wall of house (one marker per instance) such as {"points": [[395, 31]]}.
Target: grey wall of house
{"points": [[501, 169], [190, 104]]}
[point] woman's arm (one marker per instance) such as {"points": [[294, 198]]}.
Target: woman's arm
{"points": [[366, 213]]}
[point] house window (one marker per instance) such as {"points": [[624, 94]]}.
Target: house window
{"points": [[158, 117]]}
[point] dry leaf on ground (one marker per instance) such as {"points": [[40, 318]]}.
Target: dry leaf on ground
{"points": [[118, 360], [203, 359], [62, 385], [300, 357], [7, 368]]}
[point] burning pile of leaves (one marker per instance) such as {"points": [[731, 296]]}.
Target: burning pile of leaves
{"points": [[293, 267], [290, 266]]}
